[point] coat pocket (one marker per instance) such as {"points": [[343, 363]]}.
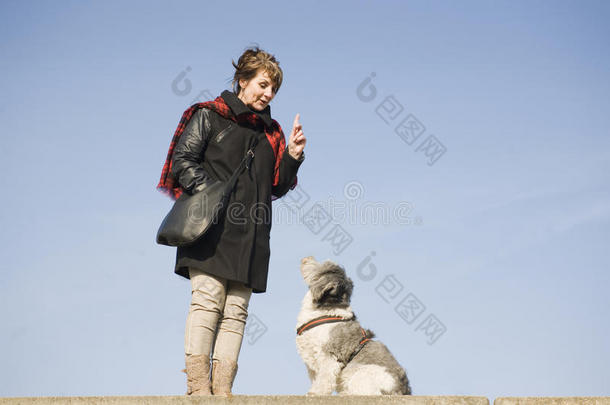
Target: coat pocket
{"points": [[224, 132]]}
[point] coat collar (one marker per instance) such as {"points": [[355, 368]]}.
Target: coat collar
{"points": [[238, 107]]}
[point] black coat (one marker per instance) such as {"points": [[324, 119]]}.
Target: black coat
{"points": [[237, 247]]}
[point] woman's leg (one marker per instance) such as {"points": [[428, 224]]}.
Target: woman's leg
{"points": [[229, 337], [233, 322], [207, 301]]}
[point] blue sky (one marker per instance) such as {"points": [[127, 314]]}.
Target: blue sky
{"points": [[502, 241]]}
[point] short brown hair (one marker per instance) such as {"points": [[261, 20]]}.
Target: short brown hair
{"points": [[250, 62]]}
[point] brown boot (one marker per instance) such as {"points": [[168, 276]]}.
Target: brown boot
{"points": [[197, 374], [223, 374]]}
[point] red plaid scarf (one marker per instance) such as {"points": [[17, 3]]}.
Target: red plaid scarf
{"points": [[170, 186]]}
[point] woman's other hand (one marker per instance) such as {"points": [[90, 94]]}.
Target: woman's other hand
{"points": [[297, 140]]}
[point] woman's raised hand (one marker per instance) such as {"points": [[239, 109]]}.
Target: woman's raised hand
{"points": [[297, 140]]}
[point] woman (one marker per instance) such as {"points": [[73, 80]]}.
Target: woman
{"points": [[230, 262]]}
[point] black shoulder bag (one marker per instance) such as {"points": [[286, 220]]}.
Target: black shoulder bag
{"points": [[192, 215]]}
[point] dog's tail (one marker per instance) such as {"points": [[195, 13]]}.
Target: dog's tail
{"points": [[404, 382]]}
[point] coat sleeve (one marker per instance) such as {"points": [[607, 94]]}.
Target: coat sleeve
{"points": [[187, 157], [287, 172]]}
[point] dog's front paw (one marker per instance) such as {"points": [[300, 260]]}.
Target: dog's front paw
{"points": [[319, 391]]}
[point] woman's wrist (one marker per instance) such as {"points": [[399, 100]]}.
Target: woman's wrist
{"points": [[296, 156]]}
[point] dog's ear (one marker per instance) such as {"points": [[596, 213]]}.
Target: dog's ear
{"points": [[335, 293], [318, 291], [330, 290]]}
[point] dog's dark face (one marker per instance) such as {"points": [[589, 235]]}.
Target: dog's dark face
{"points": [[328, 283]]}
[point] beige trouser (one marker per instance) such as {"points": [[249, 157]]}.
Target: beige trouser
{"points": [[217, 316]]}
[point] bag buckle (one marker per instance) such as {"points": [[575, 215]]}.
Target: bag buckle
{"points": [[249, 159]]}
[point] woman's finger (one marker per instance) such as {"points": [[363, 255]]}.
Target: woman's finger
{"points": [[296, 120]]}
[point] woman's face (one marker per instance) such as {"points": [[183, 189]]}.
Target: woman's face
{"points": [[258, 92]]}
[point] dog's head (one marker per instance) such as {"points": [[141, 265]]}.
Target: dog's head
{"points": [[328, 283]]}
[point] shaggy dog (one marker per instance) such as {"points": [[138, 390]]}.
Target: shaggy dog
{"points": [[339, 354]]}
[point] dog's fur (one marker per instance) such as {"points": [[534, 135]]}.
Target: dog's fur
{"points": [[326, 348]]}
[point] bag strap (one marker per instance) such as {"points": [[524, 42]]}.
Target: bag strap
{"points": [[245, 163]]}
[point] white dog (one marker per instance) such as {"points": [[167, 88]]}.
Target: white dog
{"points": [[339, 354]]}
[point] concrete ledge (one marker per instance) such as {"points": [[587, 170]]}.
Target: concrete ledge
{"points": [[254, 400], [552, 401], [308, 400]]}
